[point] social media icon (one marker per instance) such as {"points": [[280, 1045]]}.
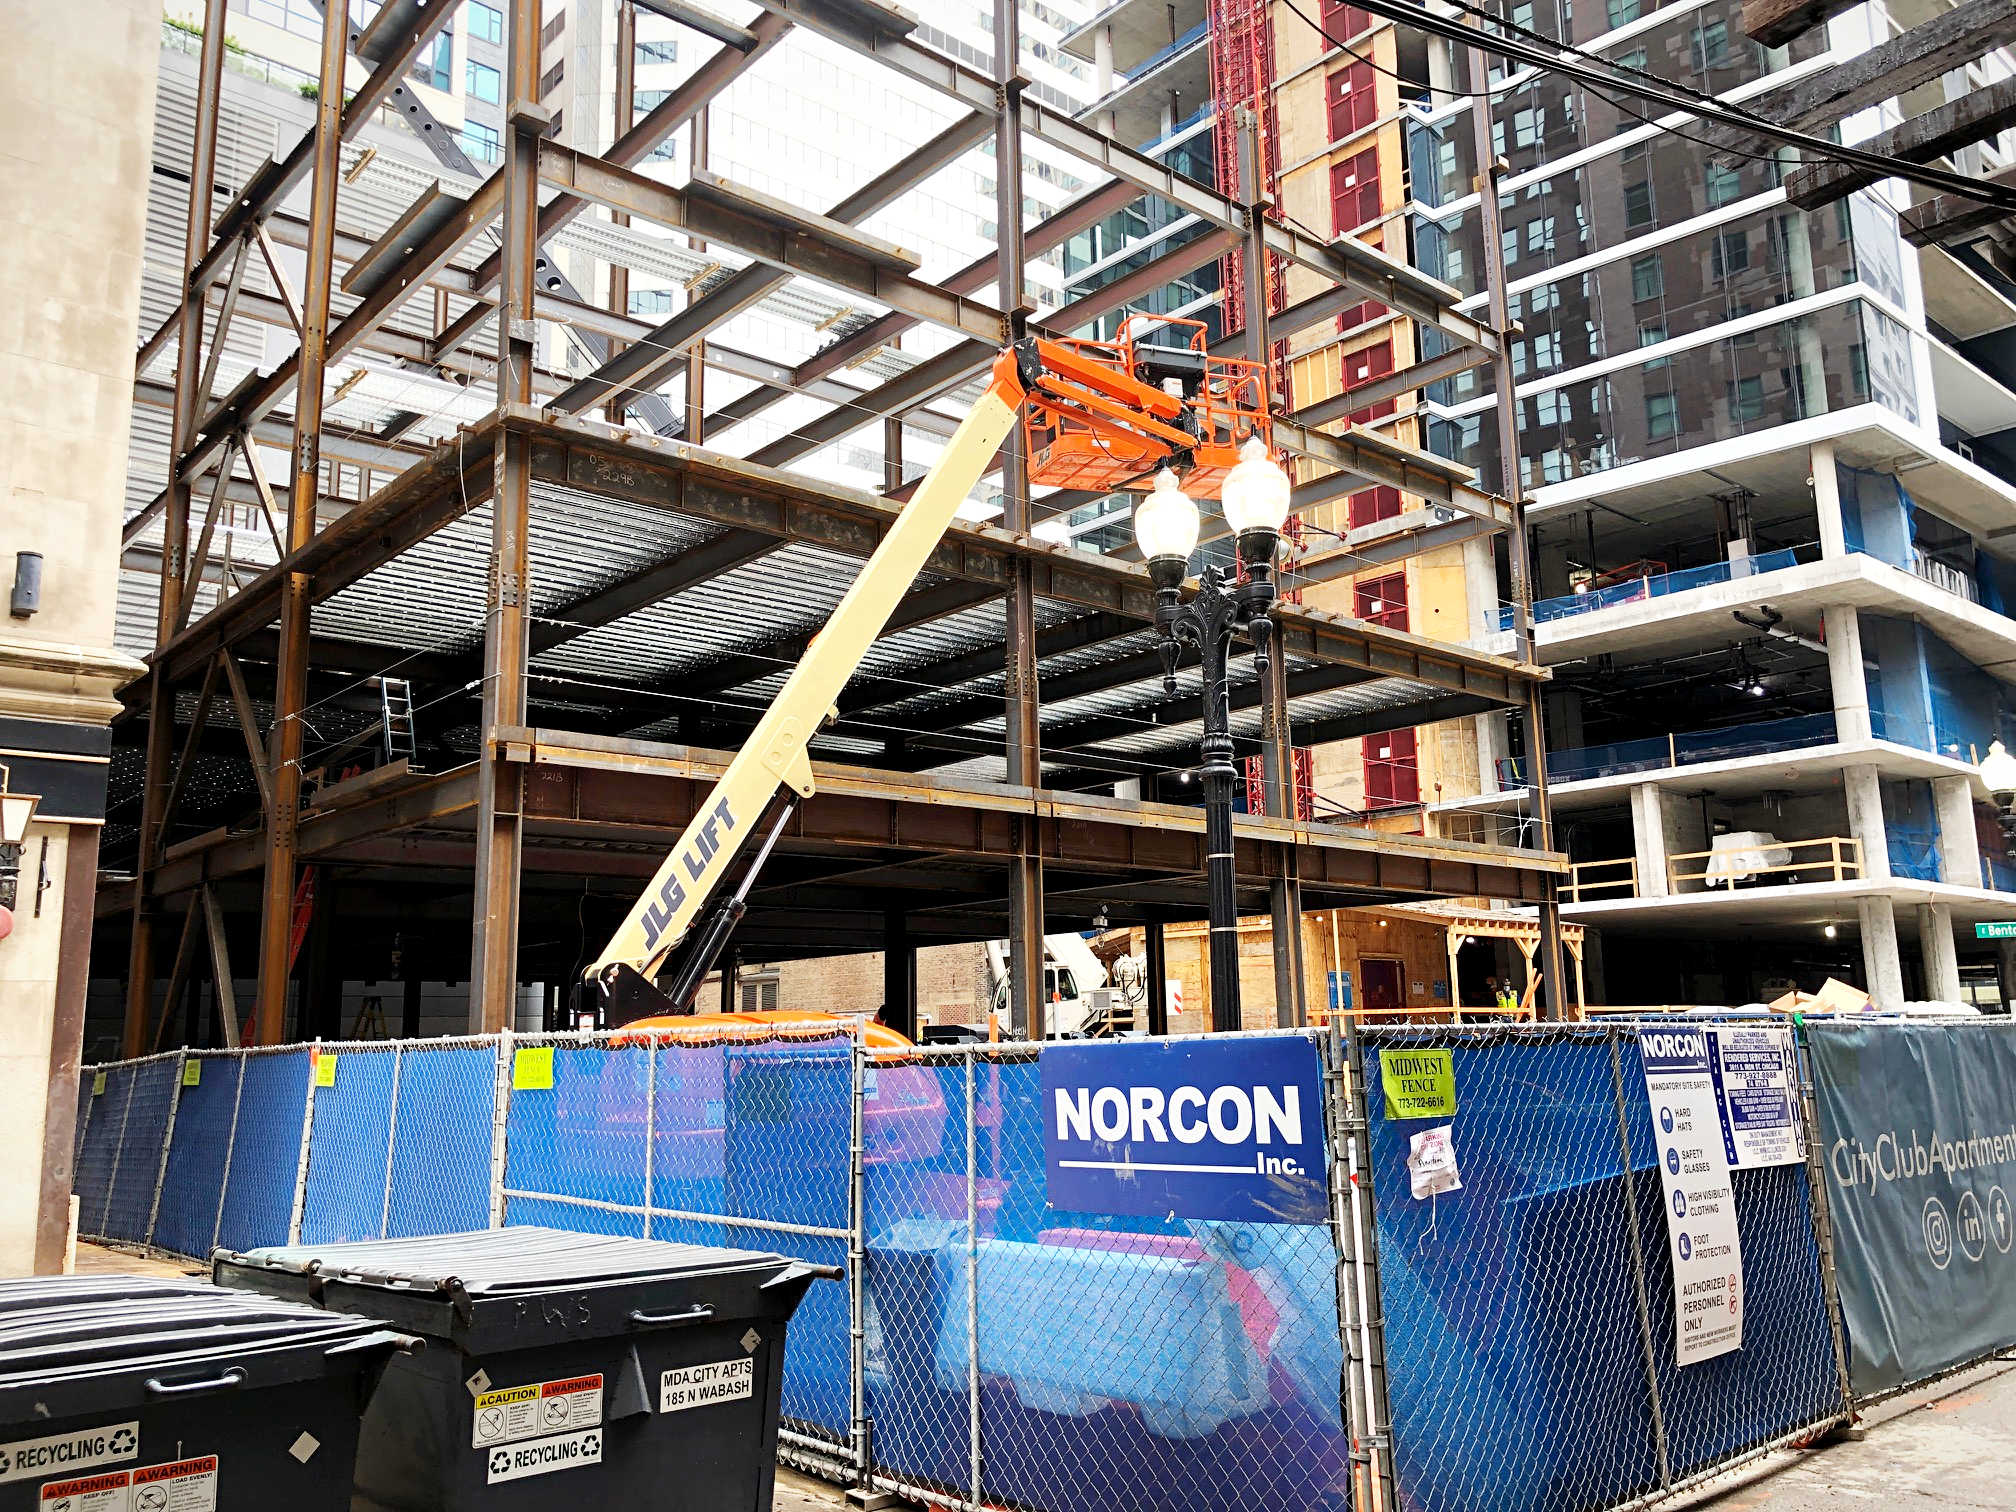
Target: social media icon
{"points": [[1938, 1233]]}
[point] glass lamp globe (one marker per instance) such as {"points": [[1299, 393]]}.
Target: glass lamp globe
{"points": [[1256, 491], [16, 809], [1165, 528], [1998, 769]]}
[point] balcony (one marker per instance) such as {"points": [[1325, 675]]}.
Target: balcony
{"points": [[1749, 861], [1658, 585], [1676, 748]]}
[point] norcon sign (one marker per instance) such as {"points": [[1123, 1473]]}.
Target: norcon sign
{"points": [[1228, 1128]]}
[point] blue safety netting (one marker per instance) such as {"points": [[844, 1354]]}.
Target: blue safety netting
{"points": [[192, 1188], [1514, 1350], [109, 1090], [266, 1150], [441, 1145], [1117, 1361], [350, 1148]]}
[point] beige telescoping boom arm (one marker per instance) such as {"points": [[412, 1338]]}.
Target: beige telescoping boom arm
{"points": [[1100, 387]]}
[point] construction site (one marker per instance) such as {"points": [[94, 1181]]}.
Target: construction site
{"points": [[519, 627], [1261, 747]]}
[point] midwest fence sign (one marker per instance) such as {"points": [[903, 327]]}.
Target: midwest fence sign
{"points": [[1231, 1129]]}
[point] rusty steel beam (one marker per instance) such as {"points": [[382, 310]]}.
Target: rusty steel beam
{"points": [[632, 370], [175, 543], [500, 822], [282, 790], [1087, 210]]}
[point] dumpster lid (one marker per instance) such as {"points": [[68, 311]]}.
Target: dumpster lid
{"points": [[503, 1262], [57, 1326]]}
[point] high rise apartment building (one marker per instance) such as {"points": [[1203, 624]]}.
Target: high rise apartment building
{"points": [[1765, 450]]}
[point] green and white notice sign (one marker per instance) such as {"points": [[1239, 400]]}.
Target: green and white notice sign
{"points": [[1418, 1083]]}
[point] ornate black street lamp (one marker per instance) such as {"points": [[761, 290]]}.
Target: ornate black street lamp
{"points": [[1998, 775], [1165, 527]]}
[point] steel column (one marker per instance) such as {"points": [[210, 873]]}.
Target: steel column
{"points": [[1277, 751], [1517, 545], [1156, 947], [175, 529], [493, 968], [626, 115], [290, 673], [1023, 735], [899, 972]]}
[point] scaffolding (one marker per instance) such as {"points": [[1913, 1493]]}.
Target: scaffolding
{"points": [[960, 797]]}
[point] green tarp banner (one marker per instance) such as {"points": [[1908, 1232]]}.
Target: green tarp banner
{"points": [[1918, 1138]]}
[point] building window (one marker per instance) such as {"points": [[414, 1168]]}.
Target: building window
{"points": [[1344, 22], [480, 143], [1392, 770], [553, 28], [1382, 600], [1539, 235], [1731, 252], [1354, 100], [1372, 506], [1725, 183], [1648, 277], [1508, 244], [1634, 59], [550, 80], [1358, 314], [1638, 210], [1746, 399], [436, 66], [484, 83], [658, 52], [486, 23], [1711, 45], [648, 100], [1621, 12], [1651, 335], [1529, 125], [1662, 416], [759, 994], [1354, 192], [1362, 368], [1555, 407], [1546, 351], [650, 301]]}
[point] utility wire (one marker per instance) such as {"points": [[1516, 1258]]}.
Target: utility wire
{"points": [[1600, 74]]}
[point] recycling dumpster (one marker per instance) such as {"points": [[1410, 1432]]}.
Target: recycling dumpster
{"points": [[131, 1394], [565, 1369]]}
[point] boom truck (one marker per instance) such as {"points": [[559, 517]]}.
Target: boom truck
{"points": [[1106, 415]]}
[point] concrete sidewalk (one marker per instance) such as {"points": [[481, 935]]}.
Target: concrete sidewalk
{"points": [[1952, 1445]]}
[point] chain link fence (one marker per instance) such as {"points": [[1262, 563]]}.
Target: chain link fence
{"points": [[1507, 1343], [1022, 1354]]}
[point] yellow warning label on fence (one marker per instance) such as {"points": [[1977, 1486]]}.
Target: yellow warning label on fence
{"points": [[98, 1085], [192, 1073], [532, 1069], [325, 1069], [1418, 1083]]}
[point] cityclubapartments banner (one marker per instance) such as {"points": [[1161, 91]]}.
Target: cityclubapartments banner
{"points": [[1918, 1139]]}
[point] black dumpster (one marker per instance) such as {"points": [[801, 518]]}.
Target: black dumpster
{"points": [[130, 1394], [569, 1369]]}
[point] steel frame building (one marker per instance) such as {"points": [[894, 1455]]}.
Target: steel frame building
{"points": [[1024, 671]]}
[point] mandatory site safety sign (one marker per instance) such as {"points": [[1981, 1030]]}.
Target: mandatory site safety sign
{"points": [[1700, 1203]]}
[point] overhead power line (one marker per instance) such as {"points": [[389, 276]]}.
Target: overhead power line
{"points": [[1602, 75]]}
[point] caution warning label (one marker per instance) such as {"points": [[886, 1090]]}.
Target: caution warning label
{"points": [[188, 1485], [567, 1451], [513, 1413]]}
